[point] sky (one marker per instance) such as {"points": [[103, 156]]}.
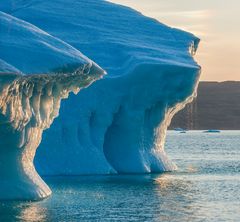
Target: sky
{"points": [[215, 22]]}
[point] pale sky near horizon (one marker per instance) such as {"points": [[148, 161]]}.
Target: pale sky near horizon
{"points": [[215, 22]]}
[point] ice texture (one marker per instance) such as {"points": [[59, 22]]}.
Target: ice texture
{"points": [[36, 72], [119, 123]]}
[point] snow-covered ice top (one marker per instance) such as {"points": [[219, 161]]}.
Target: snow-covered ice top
{"points": [[29, 49], [116, 37]]}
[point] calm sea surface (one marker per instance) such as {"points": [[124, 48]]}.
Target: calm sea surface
{"points": [[205, 188]]}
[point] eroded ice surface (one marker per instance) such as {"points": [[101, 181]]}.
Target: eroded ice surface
{"points": [[37, 70], [118, 124]]}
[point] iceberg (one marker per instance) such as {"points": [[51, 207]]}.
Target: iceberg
{"points": [[118, 124], [36, 72]]}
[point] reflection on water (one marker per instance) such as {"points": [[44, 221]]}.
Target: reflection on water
{"points": [[22, 211], [33, 212], [178, 198], [206, 188]]}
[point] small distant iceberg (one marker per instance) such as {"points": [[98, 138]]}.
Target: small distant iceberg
{"points": [[184, 131], [212, 131], [181, 130]]}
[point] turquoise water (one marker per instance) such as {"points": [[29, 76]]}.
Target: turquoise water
{"points": [[206, 187]]}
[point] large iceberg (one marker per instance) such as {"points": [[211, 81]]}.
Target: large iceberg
{"points": [[36, 72], [119, 123]]}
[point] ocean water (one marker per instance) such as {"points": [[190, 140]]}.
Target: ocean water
{"points": [[206, 187]]}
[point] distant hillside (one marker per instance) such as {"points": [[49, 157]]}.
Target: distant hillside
{"points": [[216, 107]]}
